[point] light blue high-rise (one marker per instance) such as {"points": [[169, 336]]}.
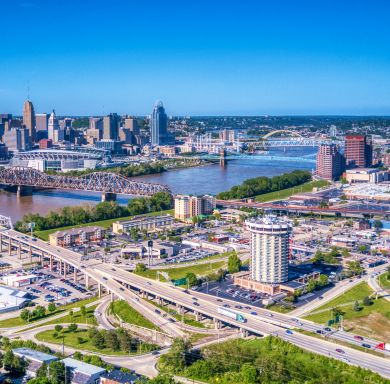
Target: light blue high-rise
{"points": [[158, 125]]}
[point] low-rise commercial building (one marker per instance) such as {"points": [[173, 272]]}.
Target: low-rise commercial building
{"points": [[19, 280], [118, 377], [83, 373], [187, 206], [77, 236], [142, 223], [366, 175], [12, 299], [34, 359], [380, 192]]}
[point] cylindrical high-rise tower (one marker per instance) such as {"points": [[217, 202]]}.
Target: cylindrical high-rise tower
{"points": [[269, 249]]}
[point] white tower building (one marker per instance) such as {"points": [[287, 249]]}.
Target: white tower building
{"points": [[269, 249]]}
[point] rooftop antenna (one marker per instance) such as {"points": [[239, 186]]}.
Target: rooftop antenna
{"points": [[28, 90]]}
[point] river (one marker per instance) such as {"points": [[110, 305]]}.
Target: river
{"points": [[198, 180]]}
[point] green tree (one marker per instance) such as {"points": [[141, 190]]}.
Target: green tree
{"points": [[111, 340], [25, 315], [14, 365], [192, 279], [248, 373], [355, 267], [83, 310], [42, 370], [356, 306], [56, 372], [51, 307], [367, 301], [140, 267], [58, 327], [337, 312], [234, 263], [72, 327], [124, 339], [40, 380], [98, 340], [176, 359]]}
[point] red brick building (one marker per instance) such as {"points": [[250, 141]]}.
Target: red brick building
{"points": [[358, 151]]}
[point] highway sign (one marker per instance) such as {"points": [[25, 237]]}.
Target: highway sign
{"points": [[182, 281]]}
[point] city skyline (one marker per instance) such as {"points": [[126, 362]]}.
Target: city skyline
{"points": [[225, 58]]}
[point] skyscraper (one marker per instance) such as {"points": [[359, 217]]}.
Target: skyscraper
{"points": [[132, 124], [358, 151], [110, 126], [41, 121], [330, 162], [29, 118], [270, 238], [158, 125], [53, 128]]}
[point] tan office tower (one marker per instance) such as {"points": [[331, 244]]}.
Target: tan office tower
{"points": [[29, 118]]}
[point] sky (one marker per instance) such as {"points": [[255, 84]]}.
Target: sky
{"points": [[200, 57]]}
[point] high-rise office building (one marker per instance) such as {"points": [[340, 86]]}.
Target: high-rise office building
{"points": [[270, 247], [228, 135], [41, 121], [132, 124], [29, 118], [55, 133], [330, 162], [110, 126], [158, 125], [17, 139], [358, 151]]}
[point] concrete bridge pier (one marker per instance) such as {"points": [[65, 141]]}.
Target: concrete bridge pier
{"points": [[198, 316], [108, 196], [244, 332], [23, 190], [217, 324]]}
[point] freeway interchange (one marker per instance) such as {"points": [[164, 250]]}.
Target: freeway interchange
{"points": [[130, 287]]}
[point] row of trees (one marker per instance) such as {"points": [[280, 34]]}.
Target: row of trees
{"points": [[266, 361], [38, 313], [127, 170], [261, 185], [76, 215]]}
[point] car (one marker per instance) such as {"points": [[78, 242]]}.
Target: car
{"points": [[269, 314], [149, 283], [155, 353], [105, 278], [247, 307], [121, 288], [220, 300], [194, 298], [226, 305], [238, 306], [196, 303], [254, 313], [157, 311], [365, 345], [357, 337], [289, 331], [327, 329], [339, 350], [319, 331]]}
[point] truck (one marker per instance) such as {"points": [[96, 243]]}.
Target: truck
{"points": [[231, 314], [384, 346]]}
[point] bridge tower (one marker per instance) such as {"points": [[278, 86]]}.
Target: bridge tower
{"points": [[222, 157]]}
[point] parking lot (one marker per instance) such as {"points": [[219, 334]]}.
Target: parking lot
{"points": [[49, 287]]}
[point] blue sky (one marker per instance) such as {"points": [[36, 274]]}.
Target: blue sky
{"points": [[201, 57]]}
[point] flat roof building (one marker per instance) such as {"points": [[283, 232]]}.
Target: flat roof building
{"points": [[77, 236], [143, 222], [83, 373]]}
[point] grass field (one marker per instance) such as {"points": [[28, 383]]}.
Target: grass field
{"points": [[372, 320], [44, 235], [77, 318], [284, 193], [178, 273], [129, 315], [383, 282], [18, 322], [187, 318], [72, 339]]}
